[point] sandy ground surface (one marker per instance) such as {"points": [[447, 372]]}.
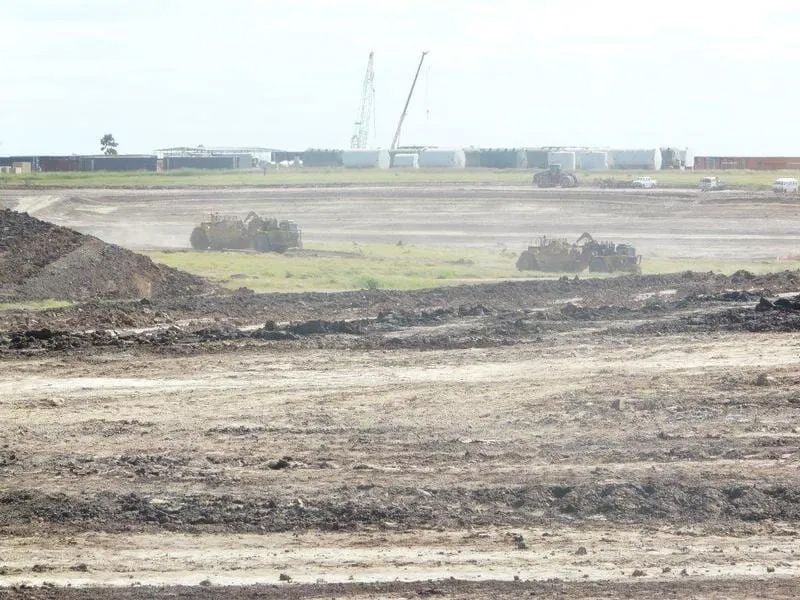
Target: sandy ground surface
{"points": [[634, 437], [593, 453], [670, 223]]}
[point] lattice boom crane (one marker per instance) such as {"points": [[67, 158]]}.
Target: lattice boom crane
{"points": [[360, 137]]}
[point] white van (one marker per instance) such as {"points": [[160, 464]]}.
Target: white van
{"points": [[785, 185]]}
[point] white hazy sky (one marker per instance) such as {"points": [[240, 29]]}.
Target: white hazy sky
{"points": [[718, 76]]}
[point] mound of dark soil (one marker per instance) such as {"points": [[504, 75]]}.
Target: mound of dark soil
{"points": [[39, 260], [344, 509]]}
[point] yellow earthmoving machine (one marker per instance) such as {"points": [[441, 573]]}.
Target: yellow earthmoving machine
{"points": [[251, 233], [556, 255]]}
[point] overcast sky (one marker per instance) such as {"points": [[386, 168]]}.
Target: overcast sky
{"points": [[718, 76]]}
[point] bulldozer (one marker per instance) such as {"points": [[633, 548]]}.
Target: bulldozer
{"points": [[562, 256], [555, 177], [251, 233]]}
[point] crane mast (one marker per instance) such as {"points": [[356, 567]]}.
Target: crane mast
{"points": [[360, 137], [408, 100]]}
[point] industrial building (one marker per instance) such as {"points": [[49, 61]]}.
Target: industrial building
{"points": [[234, 161], [202, 157]]}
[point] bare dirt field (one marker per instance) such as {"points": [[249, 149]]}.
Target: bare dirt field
{"points": [[624, 437], [675, 223]]}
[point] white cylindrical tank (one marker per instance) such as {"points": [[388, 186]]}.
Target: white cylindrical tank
{"points": [[366, 159], [590, 160], [442, 159], [564, 158], [687, 158], [406, 161], [649, 159]]}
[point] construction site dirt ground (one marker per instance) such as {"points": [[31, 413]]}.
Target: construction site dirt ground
{"points": [[675, 223], [626, 437]]}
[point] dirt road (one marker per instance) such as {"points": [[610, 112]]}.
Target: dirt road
{"points": [[671, 223]]}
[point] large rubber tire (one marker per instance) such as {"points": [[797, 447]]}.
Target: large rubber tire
{"points": [[526, 262], [599, 265], [542, 180], [199, 239]]}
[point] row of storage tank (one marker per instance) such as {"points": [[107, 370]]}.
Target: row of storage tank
{"points": [[498, 158], [411, 158]]}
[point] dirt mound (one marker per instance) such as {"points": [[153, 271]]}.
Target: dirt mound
{"points": [[522, 505], [39, 260], [28, 245]]}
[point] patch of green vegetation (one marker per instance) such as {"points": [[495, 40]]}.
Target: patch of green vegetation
{"points": [[656, 265], [34, 305], [340, 176], [342, 266]]}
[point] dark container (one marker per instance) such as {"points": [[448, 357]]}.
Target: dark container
{"points": [[503, 158], [124, 162], [322, 158], [200, 162], [50, 164]]}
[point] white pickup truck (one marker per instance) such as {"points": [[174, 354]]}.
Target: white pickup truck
{"points": [[645, 182], [785, 185]]}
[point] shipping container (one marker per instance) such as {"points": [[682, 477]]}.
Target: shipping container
{"points": [[589, 160], [322, 158], [754, 163], [406, 161], [49, 164], [172, 163], [646, 159], [442, 159], [565, 159], [120, 162], [771, 163], [503, 158]]}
